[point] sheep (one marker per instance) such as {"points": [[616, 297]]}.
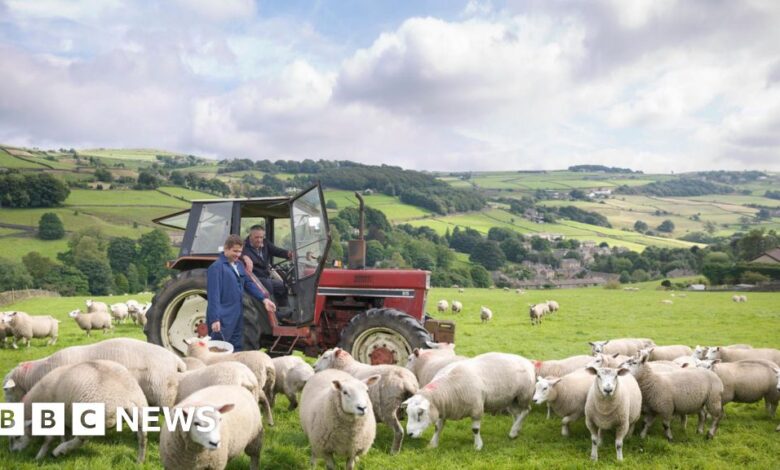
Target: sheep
{"points": [[396, 386], [536, 312], [337, 417], [668, 353], [426, 363], [95, 381], [469, 389], [22, 325], [485, 314], [259, 362], [119, 312], [552, 306], [564, 395], [667, 302], [4, 332], [141, 315], [625, 346], [92, 321], [223, 373], [461, 290], [561, 367], [284, 366], [132, 306], [94, 306], [457, 307], [442, 306], [747, 381], [732, 354], [193, 364], [613, 401], [682, 392], [743, 298], [519, 291], [154, 368], [612, 360], [686, 361], [701, 351], [239, 427]]}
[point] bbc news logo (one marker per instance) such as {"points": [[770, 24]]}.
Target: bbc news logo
{"points": [[89, 419]]}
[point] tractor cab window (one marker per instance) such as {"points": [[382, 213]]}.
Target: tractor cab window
{"points": [[213, 227], [309, 232]]}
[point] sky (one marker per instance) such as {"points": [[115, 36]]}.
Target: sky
{"points": [[652, 85]]}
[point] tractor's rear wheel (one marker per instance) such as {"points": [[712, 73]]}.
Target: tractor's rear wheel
{"points": [[179, 310], [383, 336]]}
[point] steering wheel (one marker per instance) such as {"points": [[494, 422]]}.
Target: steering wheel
{"points": [[285, 270]]}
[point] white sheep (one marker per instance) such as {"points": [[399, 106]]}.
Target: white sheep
{"points": [[239, 428], [552, 306], [396, 386], [153, 367], [119, 312], [519, 291], [92, 321], [734, 354], [489, 382], [284, 366], [667, 302], [95, 306], [95, 381], [668, 353], [442, 306], [682, 392], [565, 396], [747, 381], [561, 367], [141, 315], [192, 363], [259, 362], [22, 325], [457, 307], [485, 314], [613, 401], [536, 312], [337, 417], [461, 290], [701, 351], [223, 373], [625, 346], [4, 332], [426, 363]]}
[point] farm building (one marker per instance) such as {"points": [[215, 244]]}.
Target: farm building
{"points": [[770, 257]]}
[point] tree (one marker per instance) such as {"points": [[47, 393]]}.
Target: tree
{"points": [[38, 266], [98, 273], [331, 204], [101, 174], [133, 280], [624, 277], [640, 226], [375, 252], [154, 250], [147, 179], [763, 214], [756, 242], [639, 275], [578, 194], [50, 227], [67, 280], [514, 250], [121, 253], [540, 244], [666, 226], [121, 284], [480, 276], [13, 275], [488, 254], [32, 190]]}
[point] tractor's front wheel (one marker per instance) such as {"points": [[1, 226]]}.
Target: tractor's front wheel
{"points": [[383, 336]]}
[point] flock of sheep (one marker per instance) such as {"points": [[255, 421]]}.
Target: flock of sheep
{"points": [[536, 311], [342, 400], [99, 316]]}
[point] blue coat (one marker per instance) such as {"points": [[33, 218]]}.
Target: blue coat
{"points": [[225, 290]]}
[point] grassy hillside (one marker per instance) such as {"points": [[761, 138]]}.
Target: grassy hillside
{"points": [[746, 437]]}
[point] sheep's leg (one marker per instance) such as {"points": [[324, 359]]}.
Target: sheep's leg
{"points": [[330, 464], [595, 442], [44, 448], [771, 407], [293, 401], [684, 421], [28, 341], [312, 460], [351, 462], [253, 450], [16, 338], [435, 439], [398, 433], [142, 442], [667, 421], [475, 427], [566, 420], [649, 419], [518, 423], [714, 428], [269, 416], [549, 411], [68, 446], [702, 420]]}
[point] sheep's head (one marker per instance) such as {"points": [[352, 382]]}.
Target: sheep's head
{"points": [[8, 317], [597, 347], [713, 353], [633, 364], [706, 363], [543, 387], [607, 379], [206, 423], [353, 395], [197, 345], [777, 372], [326, 360], [75, 313], [421, 413], [700, 352]]}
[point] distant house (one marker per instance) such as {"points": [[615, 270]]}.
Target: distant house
{"points": [[600, 193], [770, 257], [679, 272], [697, 287]]}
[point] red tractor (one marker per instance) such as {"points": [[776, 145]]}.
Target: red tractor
{"points": [[376, 314]]}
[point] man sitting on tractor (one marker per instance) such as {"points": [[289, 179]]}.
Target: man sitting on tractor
{"points": [[257, 253]]}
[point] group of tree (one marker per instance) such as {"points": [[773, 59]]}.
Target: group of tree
{"points": [[772, 194], [551, 214], [31, 190], [94, 264], [679, 187], [600, 169], [730, 177]]}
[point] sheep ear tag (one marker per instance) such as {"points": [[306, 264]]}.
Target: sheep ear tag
{"points": [[9, 384]]}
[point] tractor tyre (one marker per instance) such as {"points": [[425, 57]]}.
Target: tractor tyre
{"points": [[383, 336], [179, 309]]}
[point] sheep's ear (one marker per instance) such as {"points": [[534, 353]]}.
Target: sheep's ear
{"points": [[623, 371], [684, 365], [615, 356], [643, 359], [416, 352], [591, 370], [592, 343], [553, 381], [405, 403], [9, 384], [187, 341], [607, 341], [337, 385], [716, 361], [338, 352], [372, 380], [649, 350], [226, 407]]}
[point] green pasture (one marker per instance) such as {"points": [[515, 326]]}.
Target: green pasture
{"points": [[393, 208], [9, 161], [149, 155], [15, 247], [88, 197], [746, 438], [189, 194]]}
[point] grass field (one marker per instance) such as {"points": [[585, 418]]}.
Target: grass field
{"points": [[394, 210], [126, 154], [9, 161], [188, 194], [87, 197], [746, 437]]}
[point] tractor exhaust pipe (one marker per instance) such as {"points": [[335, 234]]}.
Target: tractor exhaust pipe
{"points": [[356, 258]]}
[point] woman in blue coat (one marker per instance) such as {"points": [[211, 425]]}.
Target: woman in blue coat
{"points": [[225, 287]]}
